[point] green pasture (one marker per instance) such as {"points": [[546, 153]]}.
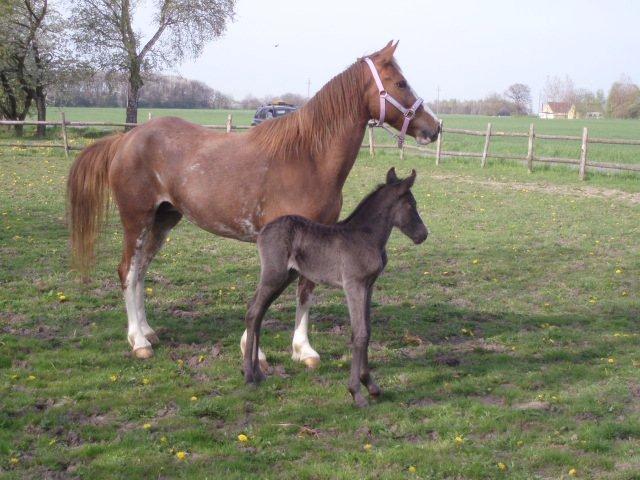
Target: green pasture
{"points": [[602, 128], [506, 344]]}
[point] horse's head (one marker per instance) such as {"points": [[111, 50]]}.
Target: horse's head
{"points": [[391, 87], [404, 210]]}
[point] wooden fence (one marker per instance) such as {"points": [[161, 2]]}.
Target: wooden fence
{"points": [[582, 163], [529, 159]]}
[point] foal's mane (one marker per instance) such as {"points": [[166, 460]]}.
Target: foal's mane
{"points": [[308, 130], [365, 204]]}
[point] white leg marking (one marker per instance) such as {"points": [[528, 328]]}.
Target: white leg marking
{"points": [[302, 349], [132, 300], [262, 358]]}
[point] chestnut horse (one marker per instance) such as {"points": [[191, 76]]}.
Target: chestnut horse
{"points": [[233, 184]]}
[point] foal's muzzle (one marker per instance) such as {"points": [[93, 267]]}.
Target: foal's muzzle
{"points": [[420, 235]]}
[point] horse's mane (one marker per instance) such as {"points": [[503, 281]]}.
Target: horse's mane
{"points": [[365, 204], [308, 130]]}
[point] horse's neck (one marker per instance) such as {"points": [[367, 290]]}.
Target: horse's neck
{"points": [[374, 219], [337, 159]]}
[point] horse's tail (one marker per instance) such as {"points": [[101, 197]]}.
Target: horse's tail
{"points": [[88, 198]]}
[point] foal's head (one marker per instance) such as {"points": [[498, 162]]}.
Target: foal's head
{"points": [[424, 126], [404, 211]]}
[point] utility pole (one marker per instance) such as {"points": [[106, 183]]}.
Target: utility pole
{"points": [[437, 99], [308, 88]]}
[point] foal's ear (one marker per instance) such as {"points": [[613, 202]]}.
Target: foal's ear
{"points": [[408, 182], [391, 176]]}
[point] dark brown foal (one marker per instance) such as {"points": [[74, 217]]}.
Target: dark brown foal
{"points": [[350, 254]]}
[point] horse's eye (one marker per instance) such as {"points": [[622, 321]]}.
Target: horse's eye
{"points": [[401, 84]]}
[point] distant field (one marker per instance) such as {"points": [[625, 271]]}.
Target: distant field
{"points": [[607, 128]]}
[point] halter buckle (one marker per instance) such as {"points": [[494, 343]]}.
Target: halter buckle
{"points": [[410, 113]]}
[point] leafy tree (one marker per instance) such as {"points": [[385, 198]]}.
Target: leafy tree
{"points": [[624, 99], [103, 30]]}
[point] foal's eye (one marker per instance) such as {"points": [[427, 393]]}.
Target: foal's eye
{"points": [[401, 84]]}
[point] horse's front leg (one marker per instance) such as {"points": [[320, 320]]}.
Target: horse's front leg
{"points": [[302, 350], [365, 373], [357, 299]]}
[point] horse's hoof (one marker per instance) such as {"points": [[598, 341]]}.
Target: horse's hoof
{"points": [[312, 362], [152, 338], [143, 353], [264, 365]]}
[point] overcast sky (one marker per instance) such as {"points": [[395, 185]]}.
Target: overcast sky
{"points": [[467, 48]]}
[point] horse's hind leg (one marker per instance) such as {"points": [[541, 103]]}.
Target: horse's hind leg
{"points": [[302, 350], [143, 238]]}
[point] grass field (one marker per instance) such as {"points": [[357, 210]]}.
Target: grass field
{"points": [[603, 128], [506, 345]]}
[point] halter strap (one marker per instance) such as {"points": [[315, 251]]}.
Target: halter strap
{"points": [[408, 113]]}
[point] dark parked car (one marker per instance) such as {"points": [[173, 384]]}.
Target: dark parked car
{"points": [[273, 110]]}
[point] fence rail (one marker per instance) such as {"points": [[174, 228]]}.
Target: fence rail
{"points": [[530, 158]]}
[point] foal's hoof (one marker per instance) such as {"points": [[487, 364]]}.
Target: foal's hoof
{"points": [[360, 402], [374, 391], [143, 353], [152, 338], [312, 362]]}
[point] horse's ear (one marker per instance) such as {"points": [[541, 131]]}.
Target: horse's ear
{"points": [[386, 54], [408, 182], [391, 176]]}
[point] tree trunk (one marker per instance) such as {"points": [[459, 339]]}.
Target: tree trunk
{"points": [[133, 94], [41, 106], [18, 130]]}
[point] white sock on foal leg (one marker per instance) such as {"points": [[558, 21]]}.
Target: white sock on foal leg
{"points": [[302, 350], [262, 358]]}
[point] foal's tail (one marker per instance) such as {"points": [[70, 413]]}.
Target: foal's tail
{"points": [[88, 198]]}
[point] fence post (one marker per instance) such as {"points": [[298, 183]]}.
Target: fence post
{"points": [[439, 143], [583, 154], [63, 123], [485, 151], [372, 152], [530, 149], [229, 119]]}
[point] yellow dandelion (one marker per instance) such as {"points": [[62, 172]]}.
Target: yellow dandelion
{"points": [[459, 440], [62, 298], [367, 446], [194, 398], [15, 376], [14, 460], [625, 293], [149, 290], [181, 455], [113, 377], [52, 441], [242, 438], [475, 261], [412, 469], [611, 360], [201, 359], [520, 443], [573, 472], [146, 426], [31, 377], [502, 466], [163, 439], [146, 381], [180, 363]]}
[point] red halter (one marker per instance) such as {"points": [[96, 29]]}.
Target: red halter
{"points": [[408, 113]]}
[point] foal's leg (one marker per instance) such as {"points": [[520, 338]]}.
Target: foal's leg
{"points": [[272, 284], [357, 299], [365, 373], [302, 350]]}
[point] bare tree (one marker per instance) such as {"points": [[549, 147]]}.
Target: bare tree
{"points": [[558, 89], [624, 99], [520, 95], [103, 30]]}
